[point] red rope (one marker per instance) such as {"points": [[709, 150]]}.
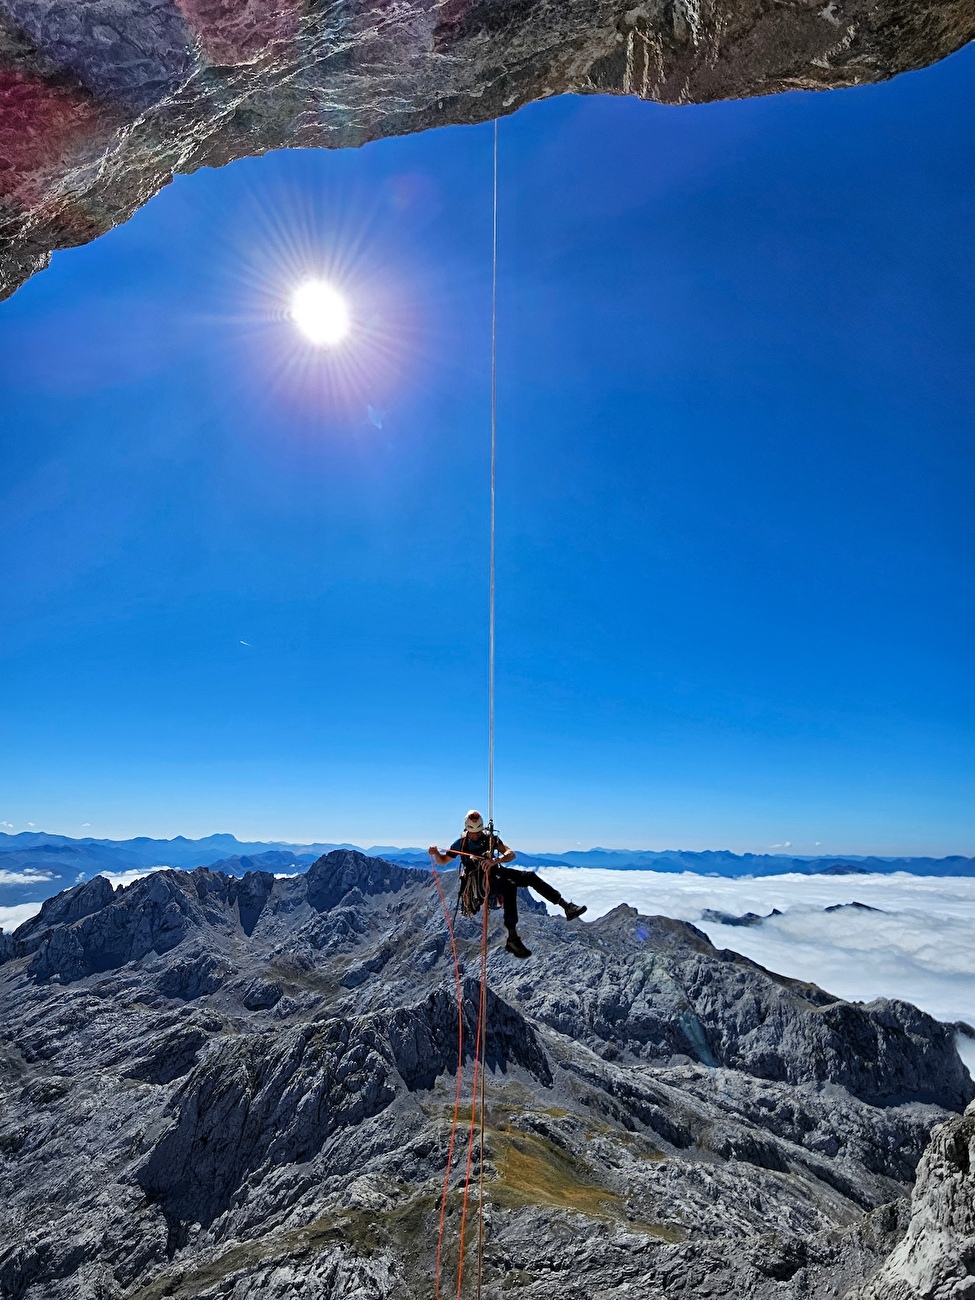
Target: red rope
{"points": [[478, 1053], [460, 1075], [477, 1096], [482, 1016]]}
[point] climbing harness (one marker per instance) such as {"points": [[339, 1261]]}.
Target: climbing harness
{"points": [[475, 891]]}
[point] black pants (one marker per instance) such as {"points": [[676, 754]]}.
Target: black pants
{"points": [[506, 881]]}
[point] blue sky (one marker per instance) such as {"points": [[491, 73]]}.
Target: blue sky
{"points": [[737, 544]]}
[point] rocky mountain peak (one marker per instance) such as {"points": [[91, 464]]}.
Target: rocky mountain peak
{"points": [[334, 874], [257, 1077]]}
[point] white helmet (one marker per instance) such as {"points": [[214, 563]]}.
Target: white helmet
{"points": [[474, 821]]}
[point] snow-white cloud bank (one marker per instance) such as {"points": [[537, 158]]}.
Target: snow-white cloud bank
{"points": [[29, 876], [11, 917], [129, 877], [918, 946]]}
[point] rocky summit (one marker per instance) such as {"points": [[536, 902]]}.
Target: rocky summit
{"points": [[219, 1086], [102, 102]]}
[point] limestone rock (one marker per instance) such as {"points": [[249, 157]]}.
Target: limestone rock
{"points": [[221, 1086], [103, 101], [936, 1258]]}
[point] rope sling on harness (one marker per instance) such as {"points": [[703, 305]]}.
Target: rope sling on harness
{"points": [[478, 872]]}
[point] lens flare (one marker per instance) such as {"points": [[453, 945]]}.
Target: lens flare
{"points": [[320, 312], [329, 322]]}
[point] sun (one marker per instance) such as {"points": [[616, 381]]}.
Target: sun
{"points": [[320, 312]]}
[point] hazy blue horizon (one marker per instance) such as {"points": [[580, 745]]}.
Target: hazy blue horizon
{"points": [[447, 829], [10, 838], [244, 586]]}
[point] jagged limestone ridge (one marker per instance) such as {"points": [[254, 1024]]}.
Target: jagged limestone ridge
{"points": [[239, 1087]]}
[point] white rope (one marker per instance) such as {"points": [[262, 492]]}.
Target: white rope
{"points": [[494, 461]]}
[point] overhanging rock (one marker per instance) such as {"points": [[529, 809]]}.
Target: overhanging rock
{"points": [[103, 101]]}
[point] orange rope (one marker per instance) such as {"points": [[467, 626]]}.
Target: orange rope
{"points": [[482, 1016], [460, 1075], [477, 1095], [480, 1041], [478, 1052]]}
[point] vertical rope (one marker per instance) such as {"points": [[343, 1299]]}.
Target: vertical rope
{"points": [[479, 1038], [459, 1083], [480, 1042], [494, 464], [480, 1173], [482, 1010]]}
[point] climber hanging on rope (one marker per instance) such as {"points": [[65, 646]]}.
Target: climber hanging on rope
{"points": [[484, 862]]}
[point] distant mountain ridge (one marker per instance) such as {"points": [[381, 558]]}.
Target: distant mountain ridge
{"points": [[722, 862], [147, 852], [34, 864]]}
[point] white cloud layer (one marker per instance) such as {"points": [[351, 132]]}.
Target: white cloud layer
{"points": [[11, 917], [29, 876], [920, 949]]}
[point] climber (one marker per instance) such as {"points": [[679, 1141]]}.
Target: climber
{"points": [[485, 855]]}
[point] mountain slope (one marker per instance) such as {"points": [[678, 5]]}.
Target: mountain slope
{"points": [[242, 1087]]}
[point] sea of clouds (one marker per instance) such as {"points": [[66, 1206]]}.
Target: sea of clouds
{"points": [[918, 944], [18, 913]]}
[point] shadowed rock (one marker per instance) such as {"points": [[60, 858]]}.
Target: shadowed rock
{"points": [[336, 873], [259, 1100], [424, 1039], [102, 102]]}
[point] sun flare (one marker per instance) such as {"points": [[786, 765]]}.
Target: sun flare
{"points": [[320, 312]]}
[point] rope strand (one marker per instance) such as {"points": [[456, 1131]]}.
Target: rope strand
{"points": [[478, 1071], [476, 1125], [458, 1088], [482, 1010], [480, 1172], [494, 464]]}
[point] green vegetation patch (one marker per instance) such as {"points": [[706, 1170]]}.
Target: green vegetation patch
{"points": [[534, 1171]]}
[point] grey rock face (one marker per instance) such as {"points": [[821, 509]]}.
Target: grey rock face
{"points": [[333, 876], [652, 991], [69, 906], [747, 921], [212, 1086], [936, 1258], [103, 101]]}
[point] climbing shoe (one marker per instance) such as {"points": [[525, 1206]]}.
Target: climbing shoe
{"points": [[572, 910], [515, 945]]}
